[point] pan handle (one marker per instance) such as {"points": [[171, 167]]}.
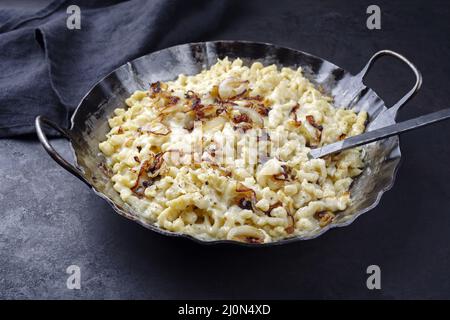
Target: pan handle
{"points": [[39, 123], [392, 111]]}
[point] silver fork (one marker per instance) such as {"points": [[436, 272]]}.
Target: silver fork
{"points": [[381, 133]]}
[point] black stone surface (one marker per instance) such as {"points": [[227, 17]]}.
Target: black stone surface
{"points": [[50, 220]]}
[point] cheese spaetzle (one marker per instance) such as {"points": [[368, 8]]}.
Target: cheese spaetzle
{"points": [[223, 154]]}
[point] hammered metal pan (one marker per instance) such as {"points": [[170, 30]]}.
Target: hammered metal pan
{"points": [[89, 123]]}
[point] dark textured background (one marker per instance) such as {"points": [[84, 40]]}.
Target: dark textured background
{"points": [[50, 220]]}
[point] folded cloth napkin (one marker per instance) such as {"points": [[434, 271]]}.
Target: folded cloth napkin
{"points": [[46, 67]]}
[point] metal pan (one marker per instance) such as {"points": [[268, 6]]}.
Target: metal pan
{"points": [[89, 123]]}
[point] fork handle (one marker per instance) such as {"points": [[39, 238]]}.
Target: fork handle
{"points": [[381, 133]]}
